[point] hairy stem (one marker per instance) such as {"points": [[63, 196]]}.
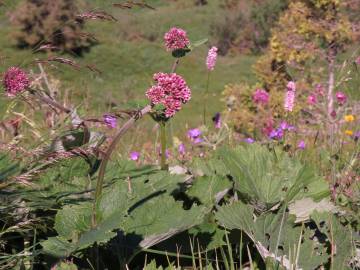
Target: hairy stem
{"points": [[49, 101], [108, 153], [163, 145], [206, 98]]}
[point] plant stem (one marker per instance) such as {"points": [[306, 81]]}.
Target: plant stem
{"points": [[108, 153], [176, 63], [163, 145], [206, 98]]}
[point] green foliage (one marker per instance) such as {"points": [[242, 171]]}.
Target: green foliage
{"points": [[54, 22], [209, 189], [140, 206], [8, 168], [279, 238], [246, 25], [339, 239], [266, 178], [264, 16]]}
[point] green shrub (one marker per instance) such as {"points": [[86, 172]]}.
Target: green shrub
{"points": [[49, 21]]}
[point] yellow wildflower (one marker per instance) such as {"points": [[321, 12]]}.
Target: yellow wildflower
{"points": [[349, 118], [349, 132]]}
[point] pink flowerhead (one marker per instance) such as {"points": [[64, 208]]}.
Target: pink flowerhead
{"points": [[260, 97], [211, 58], [312, 100], [290, 97], [176, 39], [171, 91], [15, 81], [341, 98]]}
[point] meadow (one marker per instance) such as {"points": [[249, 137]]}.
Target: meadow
{"points": [[218, 134]]}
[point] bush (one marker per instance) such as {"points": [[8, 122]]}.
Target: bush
{"points": [[264, 17], [49, 21], [246, 25]]}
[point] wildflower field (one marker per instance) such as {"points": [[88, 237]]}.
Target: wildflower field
{"points": [[180, 134]]}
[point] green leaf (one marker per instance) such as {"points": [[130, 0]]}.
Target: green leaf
{"points": [[73, 220], [303, 208], [198, 43], [264, 232], [206, 229], [209, 189], [180, 53], [65, 266], [135, 104], [141, 205], [339, 238], [58, 247], [266, 178], [160, 218], [214, 165], [8, 167]]}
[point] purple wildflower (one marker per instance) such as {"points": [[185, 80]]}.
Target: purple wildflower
{"points": [[110, 120], [15, 81], [341, 98], [181, 149], [260, 96], [276, 134], [211, 58], [249, 140], [194, 133], [285, 126], [217, 120], [301, 145], [198, 140], [167, 153], [134, 155], [357, 135]]}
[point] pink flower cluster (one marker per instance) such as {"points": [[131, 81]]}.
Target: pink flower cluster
{"points": [[176, 39], [171, 91], [260, 96], [211, 58], [290, 96], [15, 81]]}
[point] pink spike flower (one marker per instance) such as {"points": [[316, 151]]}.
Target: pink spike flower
{"points": [[171, 91], [15, 81], [290, 97], [176, 39], [211, 58]]}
